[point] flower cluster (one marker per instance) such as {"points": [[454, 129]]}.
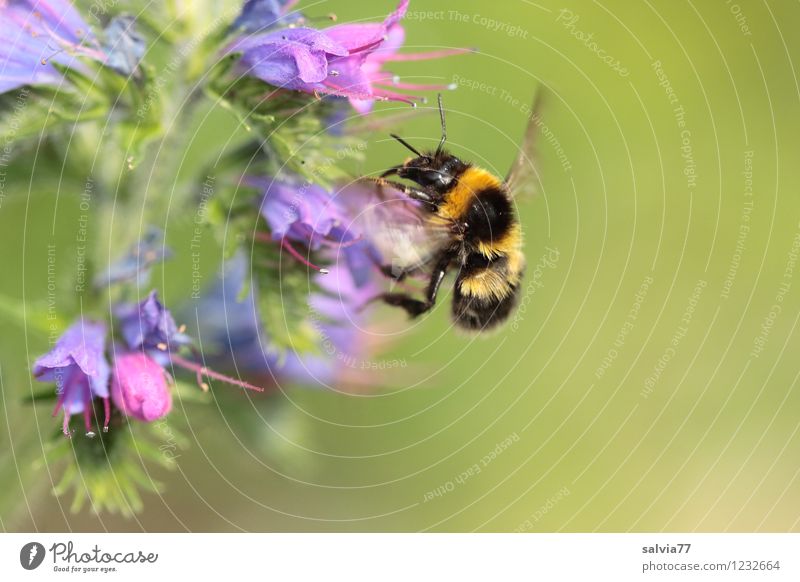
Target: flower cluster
{"points": [[139, 382], [291, 311]]}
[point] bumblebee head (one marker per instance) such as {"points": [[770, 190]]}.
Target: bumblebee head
{"points": [[436, 171]]}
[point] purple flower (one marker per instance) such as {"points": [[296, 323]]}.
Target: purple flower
{"points": [[366, 69], [36, 33], [302, 212], [136, 263], [149, 326], [344, 60], [334, 312], [293, 58], [139, 387], [232, 326], [78, 366]]}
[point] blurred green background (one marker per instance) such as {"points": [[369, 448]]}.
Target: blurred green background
{"points": [[650, 382]]}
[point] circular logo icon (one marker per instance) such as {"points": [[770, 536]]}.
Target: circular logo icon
{"points": [[31, 555]]}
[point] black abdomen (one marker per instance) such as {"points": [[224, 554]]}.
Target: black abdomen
{"points": [[484, 295], [476, 314]]}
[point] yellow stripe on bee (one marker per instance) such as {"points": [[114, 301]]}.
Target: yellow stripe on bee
{"points": [[485, 284], [459, 198], [516, 266], [495, 284], [507, 244]]}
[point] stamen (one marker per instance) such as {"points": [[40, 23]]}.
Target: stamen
{"points": [[391, 95], [59, 403], [366, 46], [332, 17], [264, 237], [428, 55], [87, 422], [87, 412], [45, 60], [203, 371], [418, 86], [66, 44], [107, 410], [65, 425], [291, 250]]}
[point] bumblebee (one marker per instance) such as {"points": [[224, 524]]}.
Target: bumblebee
{"points": [[461, 216]]}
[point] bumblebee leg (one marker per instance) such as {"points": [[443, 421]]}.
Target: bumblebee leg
{"points": [[415, 307], [392, 272], [437, 277], [410, 191]]}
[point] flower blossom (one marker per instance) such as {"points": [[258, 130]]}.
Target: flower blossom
{"points": [[139, 387], [344, 60], [304, 213], [334, 312], [136, 264], [78, 366], [34, 34], [149, 326]]}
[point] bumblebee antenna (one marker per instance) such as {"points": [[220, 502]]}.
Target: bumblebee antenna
{"points": [[444, 127], [405, 143]]}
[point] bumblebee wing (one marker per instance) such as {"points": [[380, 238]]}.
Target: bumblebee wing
{"points": [[400, 231], [523, 176]]}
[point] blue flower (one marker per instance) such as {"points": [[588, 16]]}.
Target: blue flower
{"points": [[293, 58], [136, 263], [334, 311], [124, 46], [302, 212], [34, 34], [78, 366], [149, 326]]}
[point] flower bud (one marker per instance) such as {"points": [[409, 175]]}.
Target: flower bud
{"points": [[139, 387]]}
